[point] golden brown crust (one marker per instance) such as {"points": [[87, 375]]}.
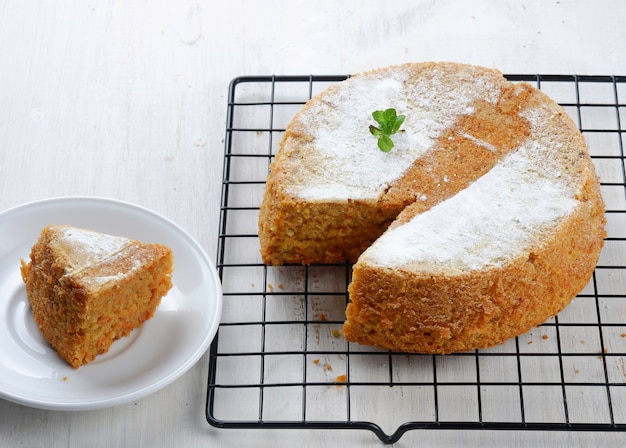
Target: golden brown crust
{"points": [[82, 311], [457, 158]]}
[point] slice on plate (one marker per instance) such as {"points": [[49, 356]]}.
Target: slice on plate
{"points": [[87, 289]]}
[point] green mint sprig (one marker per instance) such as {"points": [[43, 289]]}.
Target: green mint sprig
{"points": [[388, 124]]}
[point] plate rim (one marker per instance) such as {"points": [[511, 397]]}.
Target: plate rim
{"points": [[172, 374]]}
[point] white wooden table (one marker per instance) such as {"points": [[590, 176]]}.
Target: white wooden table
{"points": [[127, 100]]}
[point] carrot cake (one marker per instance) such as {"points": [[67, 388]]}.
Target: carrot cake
{"points": [[87, 289], [484, 219]]}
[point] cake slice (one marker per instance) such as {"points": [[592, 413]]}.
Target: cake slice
{"points": [[87, 289]]}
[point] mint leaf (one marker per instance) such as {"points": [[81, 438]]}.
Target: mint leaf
{"points": [[388, 124], [385, 143], [379, 116], [375, 131], [395, 126]]}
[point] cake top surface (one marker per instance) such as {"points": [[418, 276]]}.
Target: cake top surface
{"points": [[341, 160], [91, 257], [497, 217], [86, 246]]}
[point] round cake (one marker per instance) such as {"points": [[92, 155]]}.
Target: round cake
{"points": [[483, 220]]}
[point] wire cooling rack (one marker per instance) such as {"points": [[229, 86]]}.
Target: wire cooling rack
{"points": [[280, 361]]}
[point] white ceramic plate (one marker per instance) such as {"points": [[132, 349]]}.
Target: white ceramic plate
{"points": [[153, 356]]}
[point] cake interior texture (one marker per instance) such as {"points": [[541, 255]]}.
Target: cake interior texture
{"points": [[87, 289]]}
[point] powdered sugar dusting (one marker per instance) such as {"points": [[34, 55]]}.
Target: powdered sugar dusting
{"points": [[479, 142], [347, 162], [497, 217], [91, 247], [96, 281]]}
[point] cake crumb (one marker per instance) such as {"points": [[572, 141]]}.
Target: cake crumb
{"points": [[623, 335], [530, 342], [340, 378], [545, 336], [336, 333], [322, 317], [64, 378], [325, 366]]}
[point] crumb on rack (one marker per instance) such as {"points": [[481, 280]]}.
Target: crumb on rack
{"points": [[326, 365], [336, 333]]}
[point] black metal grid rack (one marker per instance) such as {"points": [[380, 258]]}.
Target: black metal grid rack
{"points": [[279, 360]]}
